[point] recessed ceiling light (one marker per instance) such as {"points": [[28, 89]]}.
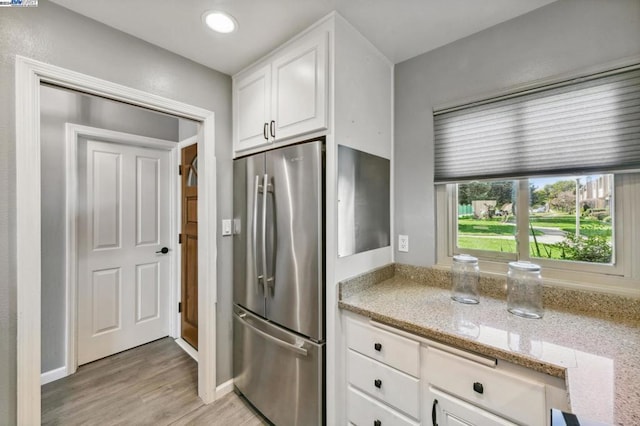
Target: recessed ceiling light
{"points": [[220, 22]]}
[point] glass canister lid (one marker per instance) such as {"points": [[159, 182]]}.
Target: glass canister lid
{"points": [[524, 266], [465, 258]]}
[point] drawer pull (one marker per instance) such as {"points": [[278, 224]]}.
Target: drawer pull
{"points": [[377, 423], [377, 346], [434, 414], [478, 387], [377, 383]]}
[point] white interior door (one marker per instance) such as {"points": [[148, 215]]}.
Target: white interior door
{"points": [[123, 280]]}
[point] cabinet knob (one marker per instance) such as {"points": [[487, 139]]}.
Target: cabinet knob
{"points": [[377, 423], [377, 383], [377, 346], [477, 386]]}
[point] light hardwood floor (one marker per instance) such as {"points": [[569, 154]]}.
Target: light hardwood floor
{"points": [[154, 384]]}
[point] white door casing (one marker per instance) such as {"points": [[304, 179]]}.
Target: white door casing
{"points": [[123, 284], [29, 75]]}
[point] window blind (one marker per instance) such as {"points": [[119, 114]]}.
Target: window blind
{"points": [[592, 125]]}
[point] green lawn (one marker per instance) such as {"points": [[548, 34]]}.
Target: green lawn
{"points": [[493, 244], [477, 233], [547, 251]]}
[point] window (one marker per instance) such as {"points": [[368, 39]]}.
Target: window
{"points": [[548, 175], [568, 219]]}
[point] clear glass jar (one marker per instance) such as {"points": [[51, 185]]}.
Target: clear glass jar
{"points": [[465, 276], [524, 290]]}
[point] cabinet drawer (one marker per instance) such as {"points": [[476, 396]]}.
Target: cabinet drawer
{"points": [[385, 383], [362, 410], [520, 399], [391, 349]]}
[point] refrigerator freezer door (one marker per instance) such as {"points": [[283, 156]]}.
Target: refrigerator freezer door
{"points": [[248, 276], [279, 372], [295, 282]]}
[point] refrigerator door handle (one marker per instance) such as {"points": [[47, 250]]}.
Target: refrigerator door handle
{"points": [[297, 349], [254, 241], [265, 192]]}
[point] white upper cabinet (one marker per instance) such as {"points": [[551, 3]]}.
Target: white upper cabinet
{"points": [[284, 96], [252, 109], [299, 88]]}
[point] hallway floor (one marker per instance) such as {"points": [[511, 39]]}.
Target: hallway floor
{"points": [[153, 384]]}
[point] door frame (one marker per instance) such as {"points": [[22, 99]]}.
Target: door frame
{"points": [[29, 75], [73, 133]]}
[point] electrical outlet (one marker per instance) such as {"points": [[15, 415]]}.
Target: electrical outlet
{"points": [[403, 243]]}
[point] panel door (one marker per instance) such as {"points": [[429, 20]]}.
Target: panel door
{"points": [[252, 109], [299, 102], [189, 247], [248, 265], [123, 283], [295, 295]]}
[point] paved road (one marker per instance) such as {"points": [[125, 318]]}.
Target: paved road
{"points": [[550, 235]]}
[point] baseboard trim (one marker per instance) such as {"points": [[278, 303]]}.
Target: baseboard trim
{"points": [[223, 389], [187, 348], [53, 375]]}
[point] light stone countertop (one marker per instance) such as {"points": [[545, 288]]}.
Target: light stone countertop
{"points": [[599, 357]]}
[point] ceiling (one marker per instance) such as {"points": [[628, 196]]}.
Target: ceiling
{"points": [[401, 29]]}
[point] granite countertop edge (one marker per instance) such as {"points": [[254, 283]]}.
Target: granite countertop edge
{"points": [[459, 341]]}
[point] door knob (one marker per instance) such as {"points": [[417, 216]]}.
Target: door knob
{"points": [[163, 250]]}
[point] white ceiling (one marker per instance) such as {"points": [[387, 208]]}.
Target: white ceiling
{"points": [[401, 29]]}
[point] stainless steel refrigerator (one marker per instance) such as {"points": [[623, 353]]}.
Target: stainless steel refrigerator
{"points": [[278, 278]]}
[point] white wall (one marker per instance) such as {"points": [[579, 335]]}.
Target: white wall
{"points": [[55, 35], [363, 120], [58, 107], [562, 37]]}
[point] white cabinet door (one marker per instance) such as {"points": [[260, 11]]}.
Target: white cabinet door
{"points": [[445, 410], [299, 102], [252, 109]]}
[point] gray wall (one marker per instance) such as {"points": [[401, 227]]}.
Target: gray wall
{"points": [[55, 35], [565, 36], [58, 107]]}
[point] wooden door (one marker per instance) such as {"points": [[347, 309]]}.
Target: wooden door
{"points": [[189, 240], [123, 281]]}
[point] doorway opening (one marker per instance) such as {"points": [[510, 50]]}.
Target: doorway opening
{"points": [[29, 77]]}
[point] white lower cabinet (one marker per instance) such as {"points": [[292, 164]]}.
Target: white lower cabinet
{"points": [[383, 383], [394, 379]]}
